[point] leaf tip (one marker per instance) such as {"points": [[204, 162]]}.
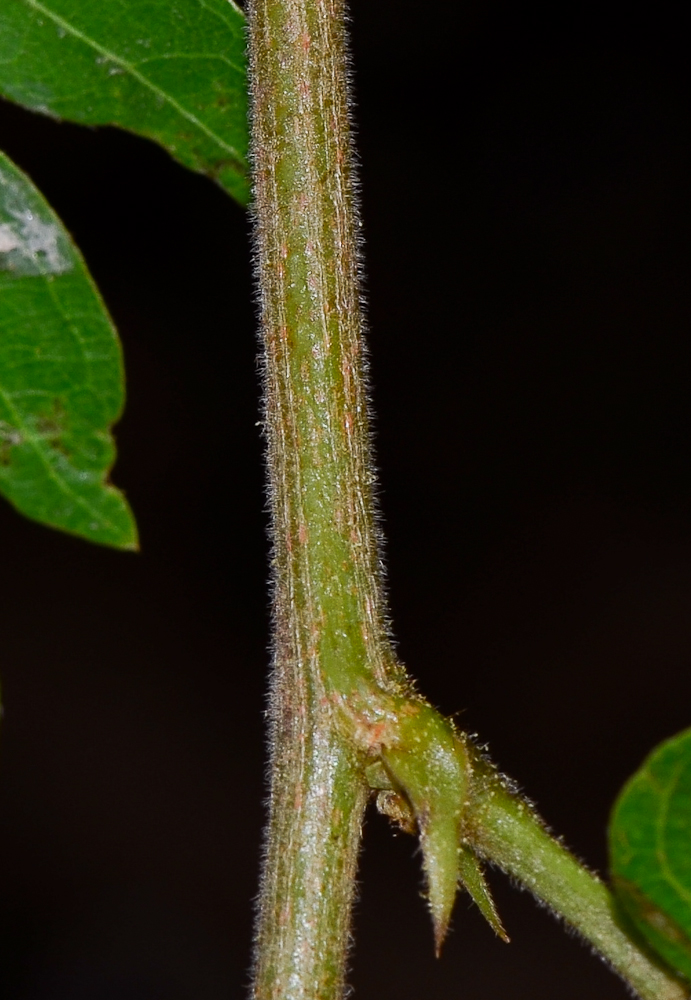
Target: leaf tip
{"points": [[440, 932], [473, 880]]}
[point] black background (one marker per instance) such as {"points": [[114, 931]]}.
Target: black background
{"points": [[525, 189]]}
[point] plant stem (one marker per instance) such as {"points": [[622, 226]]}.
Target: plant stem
{"points": [[328, 624], [505, 829], [339, 699]]}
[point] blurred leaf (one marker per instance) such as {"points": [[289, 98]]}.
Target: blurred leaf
{"points": [[61, 375], [171, 70], [650, 850]]}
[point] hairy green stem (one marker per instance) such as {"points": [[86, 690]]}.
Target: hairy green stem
{"points": [[504, 828], [328, 625], [341, 707]]}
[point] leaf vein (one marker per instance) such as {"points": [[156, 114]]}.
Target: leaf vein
{"points": [[131, 69]]}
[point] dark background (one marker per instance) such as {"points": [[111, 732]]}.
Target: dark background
{"points": [[526, 181]]}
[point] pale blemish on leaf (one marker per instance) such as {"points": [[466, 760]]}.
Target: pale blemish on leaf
{"points": [[30, 241]]}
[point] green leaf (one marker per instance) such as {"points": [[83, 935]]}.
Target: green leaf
{"points": [[650, 850], [61, 375], [171, 70]]}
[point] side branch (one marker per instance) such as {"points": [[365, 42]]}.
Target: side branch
{"points": [[505, 829]]}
